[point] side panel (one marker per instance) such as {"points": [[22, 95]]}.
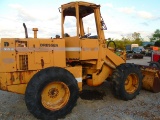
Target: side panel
{"points": [[3, 81], [20, 59], [17, 81], [7, 55], [20, 89], [72, 48], [59, 53], [31, 54], [50, 53], [89, 49]]}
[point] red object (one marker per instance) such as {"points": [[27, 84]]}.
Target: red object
{"points": [[155, 48], [156, 57]]}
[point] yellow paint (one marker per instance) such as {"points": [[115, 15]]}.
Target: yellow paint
{"points": [[148, 80], [131, 83], [3, 81], [17, 88], [21, 58], [36, 52], [89, 49], [77, 73], [9, 81], [100, 76], [114, 58], [55, 96]]}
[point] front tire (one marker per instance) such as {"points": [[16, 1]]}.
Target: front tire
{"points": [[51, 93], [126, 81]]}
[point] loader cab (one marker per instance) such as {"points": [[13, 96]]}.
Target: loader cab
{"points": [[76, 19]]}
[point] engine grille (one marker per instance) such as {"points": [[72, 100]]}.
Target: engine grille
{"points": [[23, 62]]}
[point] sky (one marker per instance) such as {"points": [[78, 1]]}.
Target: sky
{"points": [[122, 17]]}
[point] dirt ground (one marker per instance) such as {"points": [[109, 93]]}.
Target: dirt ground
{"points": [[146, 106]]}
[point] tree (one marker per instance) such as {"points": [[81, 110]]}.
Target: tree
{"points": [[155, 36], [121, 43], [157, 43], [136, 35], [137, 38]]}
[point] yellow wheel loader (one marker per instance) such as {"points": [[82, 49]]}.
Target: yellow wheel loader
{"points": [[50, 72]]}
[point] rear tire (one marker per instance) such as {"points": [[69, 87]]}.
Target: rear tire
{"points": [[51, 93], [126, 81]]}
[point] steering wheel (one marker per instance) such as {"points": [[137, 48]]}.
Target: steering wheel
{"points": [[113, 43], [86, 35]]}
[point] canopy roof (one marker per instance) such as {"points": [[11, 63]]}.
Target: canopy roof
{"points": [[85, 8]]}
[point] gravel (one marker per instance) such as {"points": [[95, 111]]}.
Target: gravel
{"points": [[146, 106]]}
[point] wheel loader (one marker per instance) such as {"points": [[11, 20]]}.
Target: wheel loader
{"points": [[50, 72]]}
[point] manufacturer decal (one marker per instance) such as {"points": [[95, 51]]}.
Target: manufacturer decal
{"points": [[48, 45]]}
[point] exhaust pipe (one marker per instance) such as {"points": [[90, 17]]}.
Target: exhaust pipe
{"points": [[25, 29]]}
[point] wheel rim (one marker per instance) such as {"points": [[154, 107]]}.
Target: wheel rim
{"points": [[131, 83], [55, 95]]}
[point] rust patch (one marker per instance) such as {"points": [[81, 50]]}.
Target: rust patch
{"points": [[31, 72], [42, 63], [12, 79], [20, 77]]}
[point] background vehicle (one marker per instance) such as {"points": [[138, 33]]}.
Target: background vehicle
{"points": [[50, 71], [132, 48], [136, 50]]}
